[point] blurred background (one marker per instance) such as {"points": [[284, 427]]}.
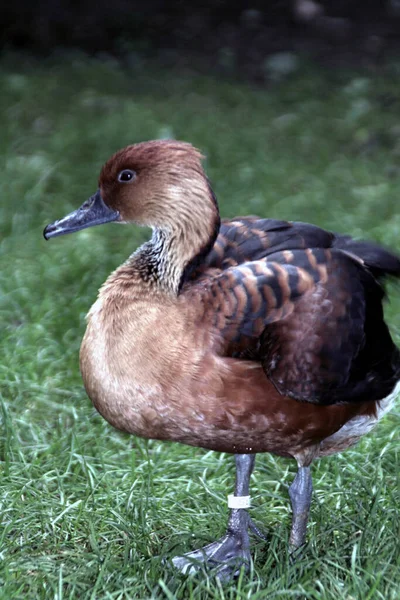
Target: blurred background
{"points": [[296, 106]]}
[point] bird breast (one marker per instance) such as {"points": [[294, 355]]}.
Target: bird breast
{"points": [[151, 372]]}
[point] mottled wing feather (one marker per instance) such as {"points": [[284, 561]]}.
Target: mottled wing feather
{"points": [[250, 238], [241, 301]]}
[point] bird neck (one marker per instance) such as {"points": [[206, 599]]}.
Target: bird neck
{"points": [[183, 234], [167, 260]]}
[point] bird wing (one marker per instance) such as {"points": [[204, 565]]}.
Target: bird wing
{"points": [[250, 238], [247, 239], [311, 355], [301, 313]]}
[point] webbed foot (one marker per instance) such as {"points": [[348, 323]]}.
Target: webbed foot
{"points": [[228, 555], [225, 557]]}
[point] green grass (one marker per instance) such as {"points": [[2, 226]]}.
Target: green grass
{"points": [[86, 511]]}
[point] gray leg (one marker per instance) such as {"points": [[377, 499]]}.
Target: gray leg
{"points": [[232, 551], [300, 493]]}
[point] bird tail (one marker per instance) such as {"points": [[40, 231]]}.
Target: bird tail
{"points": [[379, 261]]}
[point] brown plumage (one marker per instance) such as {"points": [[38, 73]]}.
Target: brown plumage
{"points": [[249, 336]]}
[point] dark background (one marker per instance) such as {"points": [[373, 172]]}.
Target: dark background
{"points": [[222, 35]]}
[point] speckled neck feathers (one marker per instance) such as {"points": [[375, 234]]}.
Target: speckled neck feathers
{"points": [[174, 250]]}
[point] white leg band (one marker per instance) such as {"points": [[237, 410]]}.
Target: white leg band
{"points": [[238, 501]]}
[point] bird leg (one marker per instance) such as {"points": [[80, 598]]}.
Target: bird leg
{"points": [[228, 554], [300, 493]]}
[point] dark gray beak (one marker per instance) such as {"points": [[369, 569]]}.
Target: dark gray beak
{"points": [[92, 212]]}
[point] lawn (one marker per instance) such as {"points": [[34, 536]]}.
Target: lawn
{"points": [[86, 511]]}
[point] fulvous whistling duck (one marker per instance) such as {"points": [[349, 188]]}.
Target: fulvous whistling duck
{"points": [[246, 336]]}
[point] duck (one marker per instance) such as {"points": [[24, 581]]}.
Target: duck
{"points": [[240, 336]]}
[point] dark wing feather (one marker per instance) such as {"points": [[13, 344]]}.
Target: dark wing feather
{"points": [[335, 346], [310, 355], [379, 261]]}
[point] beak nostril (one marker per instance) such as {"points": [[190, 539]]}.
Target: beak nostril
{"points": [[88, 204]]}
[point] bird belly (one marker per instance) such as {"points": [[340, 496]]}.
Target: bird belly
{"points": [[212, 402]]}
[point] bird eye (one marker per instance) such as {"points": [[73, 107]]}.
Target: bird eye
{"points": [[126, 175]]}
